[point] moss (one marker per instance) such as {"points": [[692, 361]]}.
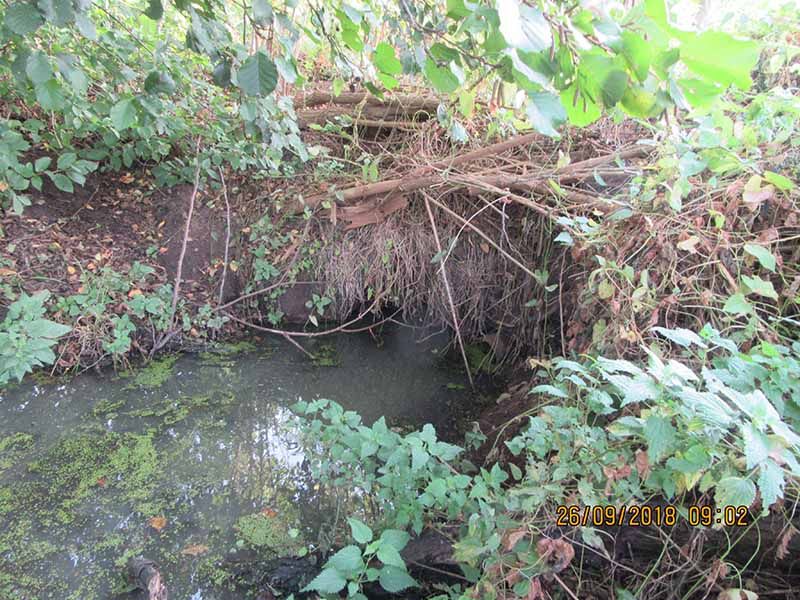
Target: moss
{"points": [[173, 411], [266, 531], [107, 408], [11, 446], [326, 356], [154, 373]]}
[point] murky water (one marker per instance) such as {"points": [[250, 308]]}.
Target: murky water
{"points": [[189, 462]]}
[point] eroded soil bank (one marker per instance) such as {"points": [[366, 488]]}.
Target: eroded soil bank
{"points": [[195, 461]]}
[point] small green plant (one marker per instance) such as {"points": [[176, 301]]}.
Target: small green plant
{"points": [[26, 338]]}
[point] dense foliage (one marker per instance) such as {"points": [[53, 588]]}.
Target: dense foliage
{"points": [[715, 428]]}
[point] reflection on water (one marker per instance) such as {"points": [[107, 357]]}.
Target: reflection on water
{"points": [[188, 465]]}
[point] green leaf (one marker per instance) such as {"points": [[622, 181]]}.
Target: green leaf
{"points": [[737, 304], [329, 581], [523, 27], [258, 75], [419, 458], [42, 163], [756, 446], [347, 560], [660, 436], [155, 10], [395, 538], [764, 256], [550, 390], [361, 532], [38, 68], [719, 58], [66, 160], [456, 9], [638, 53], [581, 110], [389, 555], [57, 12], [442, 78], [62, 182], [613, 87], [385, 60], [779, 181], [22, 18], [159, 82], [545, 112], [262, 12], [394, 579], [771, 482], [123, 114], [682, 337], [734, 491], [50, 95], [760, 286]]}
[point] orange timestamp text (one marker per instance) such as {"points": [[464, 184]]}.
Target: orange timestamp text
{"points": [[646, 515]]}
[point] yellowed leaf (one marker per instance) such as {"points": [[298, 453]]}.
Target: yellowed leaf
{"points": [[134, 292], [194, 550], [157, 523]]}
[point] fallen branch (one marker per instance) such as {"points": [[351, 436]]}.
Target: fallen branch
{"points": [[443, 271], [227, 235]]}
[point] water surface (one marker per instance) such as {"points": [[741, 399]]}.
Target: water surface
{"points": [[193, 462]]}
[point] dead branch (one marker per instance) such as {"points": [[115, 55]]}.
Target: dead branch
{"points": [[227, 235], [443, 271], [144, 574]]}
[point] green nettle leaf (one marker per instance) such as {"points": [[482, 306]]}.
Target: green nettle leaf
{"points": [[779, 181], [771, 483], [258, 76], [395, 538], [660, 436], [389, 555], [155, 10], [737, 304], [764, 256], [734, 491], [123, 114], [720, 58], [159, 82], [442, 78], [23, 18], [347, 560], [760, 286], [50, 95], [57, 12], [262, 12], [361, 532], [38, 68], [394, 579], [329, 581], [681, 336], [545, 112]]}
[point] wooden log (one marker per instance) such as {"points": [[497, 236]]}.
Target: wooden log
{"points": [[406, 101], [144, 574]]}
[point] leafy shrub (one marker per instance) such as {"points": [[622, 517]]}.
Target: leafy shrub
{"points": [[26, 338], [607, 433]]}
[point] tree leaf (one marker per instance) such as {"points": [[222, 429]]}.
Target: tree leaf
{"points": [[22, 18], [361, 532], [734, 491], [258, 76], [394, 579], [155, 10], [57, 12], [123, 114], [50, 95], [329, 581], [545, 112], [764, 256], [442, 78], [638, 53], [262, 12], [720, 58], [38, 68], [385, 60], [523, 27]]}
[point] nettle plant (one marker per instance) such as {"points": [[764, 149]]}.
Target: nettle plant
{"points": [[27, 338], [719, 425]]}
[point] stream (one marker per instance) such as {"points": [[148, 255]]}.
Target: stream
{"points": [[192, 461]]}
